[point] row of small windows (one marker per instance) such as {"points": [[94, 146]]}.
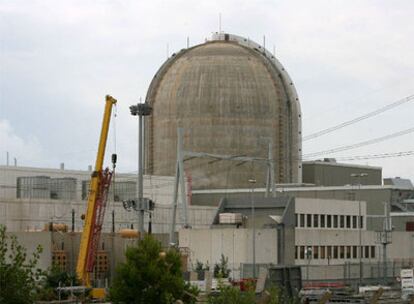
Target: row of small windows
{"points": [[333, 252], [328, 221]]}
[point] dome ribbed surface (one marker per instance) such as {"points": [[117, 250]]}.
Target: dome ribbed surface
{"points": [[229, 99]]}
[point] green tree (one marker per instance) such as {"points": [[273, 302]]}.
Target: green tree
{"points": [[150, 275], [232, 295], [18, 272]]}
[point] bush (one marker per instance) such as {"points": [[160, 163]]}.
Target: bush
{"points": [[54, 278], [151, 275], [232, 295], [222, 270]]}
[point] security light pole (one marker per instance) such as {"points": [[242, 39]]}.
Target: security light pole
{"points": [[140, 110], [252, 182]]}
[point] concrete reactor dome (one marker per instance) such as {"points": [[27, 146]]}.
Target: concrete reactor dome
{"points": [[231, 97]]}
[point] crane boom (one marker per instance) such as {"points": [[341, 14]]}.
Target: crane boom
{"points": [[98, 191]]}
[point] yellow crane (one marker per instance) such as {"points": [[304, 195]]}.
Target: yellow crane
{"points": [[98, 193]]}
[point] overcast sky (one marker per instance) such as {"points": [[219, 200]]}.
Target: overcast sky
{"points": [[58, 59]]}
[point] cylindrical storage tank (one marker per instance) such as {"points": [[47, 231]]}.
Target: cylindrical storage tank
{"points": [[231, 97], [128, 233], [56, 227]]}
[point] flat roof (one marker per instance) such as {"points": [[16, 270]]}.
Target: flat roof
{"points": [[328, 163], [287, 188], [72, 172]]}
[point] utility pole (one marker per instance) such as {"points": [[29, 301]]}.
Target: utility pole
{"points": [[140, 110], [360, 224], [385, 239]]}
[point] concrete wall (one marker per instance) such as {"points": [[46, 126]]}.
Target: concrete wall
{"points": [[329, 206], [30, 241], [113, 244], [207, 245]]}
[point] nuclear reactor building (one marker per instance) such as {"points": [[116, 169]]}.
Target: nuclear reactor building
{"points": [[231, 97]]}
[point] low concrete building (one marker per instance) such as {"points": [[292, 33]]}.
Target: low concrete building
{"points": [[208, 245], [27, 202], [328, 172], [265, 236]]}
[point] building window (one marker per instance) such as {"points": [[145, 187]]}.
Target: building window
{"points": [[309, 220], [335, 221], [302, 252], [366, 252], [335, 250], [302, 220], [322, 220], [315, 252], [315, 221], [372, 252], [296, 252], [361, 221], [354, 252], [296, 220], [354, 221], [342, 252], [328, 221], [323, 255], [329, 252], [348, 252], [342, 221], [348, 221]]}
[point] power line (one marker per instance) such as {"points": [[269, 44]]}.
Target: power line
{"points": [[360, 144], [360, 118], [375, 156]]}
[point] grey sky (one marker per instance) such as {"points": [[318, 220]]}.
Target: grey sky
{"points": [[58, 59]]}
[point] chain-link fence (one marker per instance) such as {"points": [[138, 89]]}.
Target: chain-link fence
{"points": [[348, 273]]}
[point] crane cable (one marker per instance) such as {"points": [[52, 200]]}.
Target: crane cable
{"points": [[113, 184], [360, 118]]}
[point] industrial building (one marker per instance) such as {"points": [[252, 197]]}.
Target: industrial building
{"points": [[240, 116], [321, 219]]}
